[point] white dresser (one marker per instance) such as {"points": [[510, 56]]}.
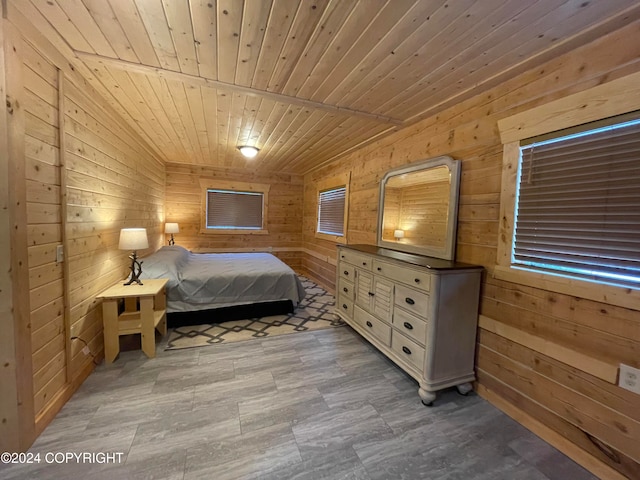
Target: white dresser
{"points": [[421, 312]]}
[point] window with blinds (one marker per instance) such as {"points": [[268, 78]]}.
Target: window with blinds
{"points": [[230, 209], [578, 204], [331, 206]]}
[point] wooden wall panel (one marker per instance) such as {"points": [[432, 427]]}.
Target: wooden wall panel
{"points": [[10, 431], [183, 205], [44, 225], [113, 182], [18, 395], [78, 176], [596, 420]]}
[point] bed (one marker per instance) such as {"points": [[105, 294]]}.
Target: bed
{"points": [[200, 282]]}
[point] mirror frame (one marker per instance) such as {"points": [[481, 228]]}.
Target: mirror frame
{"points": [[448, 251]]}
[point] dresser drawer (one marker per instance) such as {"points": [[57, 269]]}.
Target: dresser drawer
{"points": [[408, 350], [346, 288], [357, 259], [346, 271], [411, 276], [371, 324], [412, 326], [345, 306], [412, 300]]}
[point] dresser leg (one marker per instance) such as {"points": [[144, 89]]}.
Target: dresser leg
{"points": [[426, 397], [464, 388]]}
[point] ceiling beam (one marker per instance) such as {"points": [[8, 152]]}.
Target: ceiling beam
{"points": [[209, 83]]}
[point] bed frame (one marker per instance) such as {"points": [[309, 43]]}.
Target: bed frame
{"points": [[226, 314]]}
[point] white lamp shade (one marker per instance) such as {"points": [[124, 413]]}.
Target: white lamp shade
{"points": [[398, 233], [171, 228], [133, 239], [248, 152]]}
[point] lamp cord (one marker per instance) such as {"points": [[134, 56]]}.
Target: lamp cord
{"points": [[93, 357]]}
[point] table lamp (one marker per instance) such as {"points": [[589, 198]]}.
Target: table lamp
{"points": [[398, 234], [134, 239], [171, 228]]}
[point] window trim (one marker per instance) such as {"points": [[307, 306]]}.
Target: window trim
{"points": [[321, 207], [617, 97], [331, 183], [207, 184]]}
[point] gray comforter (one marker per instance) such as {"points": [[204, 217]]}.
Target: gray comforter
{"points": [[199, 281]]}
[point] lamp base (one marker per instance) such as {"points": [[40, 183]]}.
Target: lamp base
{"points": [[136, 270], [171, 241]]}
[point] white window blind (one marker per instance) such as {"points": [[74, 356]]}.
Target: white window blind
{"points": [[234, 210], [331, 211], [578, 207]]}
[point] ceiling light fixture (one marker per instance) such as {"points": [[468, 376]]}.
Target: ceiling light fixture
{"points": [[248, 152]]}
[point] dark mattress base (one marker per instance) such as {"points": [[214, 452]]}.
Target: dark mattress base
{"points": [[226, 314]]}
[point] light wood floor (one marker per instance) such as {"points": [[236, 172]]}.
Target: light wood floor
{"points": [[312, 405]]}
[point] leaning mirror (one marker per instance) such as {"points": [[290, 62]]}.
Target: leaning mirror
{"points": [[419, 208]]}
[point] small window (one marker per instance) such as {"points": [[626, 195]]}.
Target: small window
{"points": [[578, 204], [331, 211], [227, 209], [333, 208], [236, 208]]}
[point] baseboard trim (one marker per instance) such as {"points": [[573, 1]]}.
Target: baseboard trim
{"points": [[314, 278], [593, 366], [44, 418], [319, 256], [246, 250], [550, 436]]}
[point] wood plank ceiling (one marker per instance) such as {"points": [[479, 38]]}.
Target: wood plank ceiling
{"points": [[305, 81]]}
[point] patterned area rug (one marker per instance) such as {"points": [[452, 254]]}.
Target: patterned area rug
{"points": [[315, 312]]}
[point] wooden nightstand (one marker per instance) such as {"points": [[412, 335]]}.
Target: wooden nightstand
{"points": [[144, 311]]}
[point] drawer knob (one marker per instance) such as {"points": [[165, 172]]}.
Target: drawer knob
{"points": [[371, 294], [364, 264], [417, 280], [410, 301], [344, 305], [379, 269], [406, 350], [345, 289], [341, 256], [369, 324], [408, 326], [346, 272]]}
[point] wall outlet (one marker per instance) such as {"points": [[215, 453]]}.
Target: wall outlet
{"points": [[60, 254], [629, 378], [86, 350]]}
